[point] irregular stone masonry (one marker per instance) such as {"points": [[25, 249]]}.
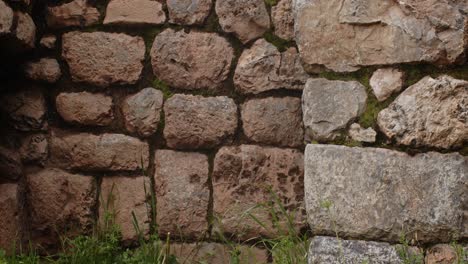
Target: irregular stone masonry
{"points": [[209, 104]]}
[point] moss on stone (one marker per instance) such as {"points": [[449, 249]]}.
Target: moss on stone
{"points": [[271, 2], [281, 44], [149, 35], [163, 87]]}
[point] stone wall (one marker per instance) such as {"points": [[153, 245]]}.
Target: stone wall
{"points": [[354, 113]]}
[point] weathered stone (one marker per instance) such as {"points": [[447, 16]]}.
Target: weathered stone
{"points": [[10, 164], [442, 254], [102, 58], [274, 121], [242, 178], [433, 112], [142, 111], [181, 180], [215, 253], [125, 198], [329, 106], [75, 13], [11, 222], [45, 69], [263, 68], [191, 61], [194, 122], [188, 12], [385, 82], [6, 18], [378, 194], [247, 19], [283, 19], [48, 42], [134, 12], [25, 31], [330, 250], [106, 152], [26, 109], [61, 205], [357, 133], [34, 148], [85, 108], [344, 35]]}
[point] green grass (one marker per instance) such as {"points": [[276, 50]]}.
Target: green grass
{"points": [[164, 88]]}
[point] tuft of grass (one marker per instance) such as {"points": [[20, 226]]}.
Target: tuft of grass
{"points": [[406, 254], [163, 87]]}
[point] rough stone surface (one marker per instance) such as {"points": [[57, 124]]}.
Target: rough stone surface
{"points": [[329, 106], [385, 82], [242, 176], [344, 35], [61, 204], [142, 111], [181, 181], [191, 61], [247, 19], [6, 18], [215, 253], [75, 13], [357, 133], [263, 68], [442, 254], [377, 193], [11, 222], [10, 164], [106, 152], [194, 122], [48, 41], [85, 108], [433, 113], [188, 12], [333, 251], [126, 198], [34, 148], [102, 58], [274, 121], [134, 12], [283, 19], [26, 109], [45, 69], [25, 30]]}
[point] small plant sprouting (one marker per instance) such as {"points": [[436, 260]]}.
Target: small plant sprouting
{"points": [[327, 205], [406, 254]]}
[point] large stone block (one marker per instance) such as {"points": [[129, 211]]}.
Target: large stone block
{"points": [[329, 250], [263, 68], [102, 58], [215, 253], [188, 12], [106, 152], [247, 19], [182, 193], [85, 108], [431, 113], [377, 194], [274, 121], [142, 111], [344, 35], [122, 199], [191, 61], [194, 122], [12, 226], [329, 106], [26, 109], [61, 205], [246, 179], [135, 12], [75, 13]]}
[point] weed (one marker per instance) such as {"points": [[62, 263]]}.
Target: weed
{"points": [[327, 205], [163, 87], [462, 253], [407, 254]]}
